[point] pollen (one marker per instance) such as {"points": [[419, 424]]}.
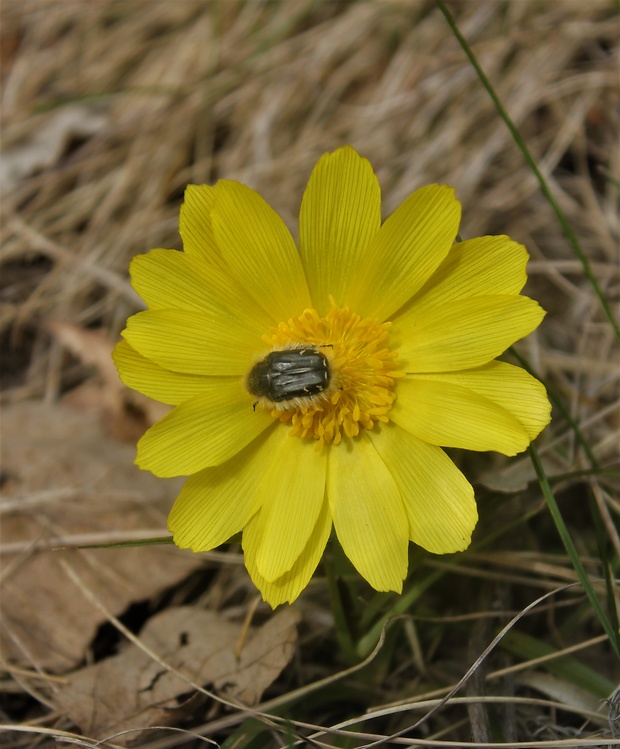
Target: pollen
{"points": [[363, 370]]}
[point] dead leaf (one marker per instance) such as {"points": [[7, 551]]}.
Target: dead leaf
{"points": [[132, 690], [67, 479], [92, 347], [47, 141], [564, 692], [517, 474], [125, 414]]}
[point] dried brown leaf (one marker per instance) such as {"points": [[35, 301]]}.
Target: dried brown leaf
{"points": [[516, 475], [44, 146], [125, 413], [132, 689], [66, 480]]}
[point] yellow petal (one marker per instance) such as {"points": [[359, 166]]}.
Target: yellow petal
{"points": [[259, 250], [485, 266], [438, 499], [193, 342], [195, 225], [450, 415], [510, 387], [292, 490], [150, 379], [289, 586], [202, 431], [340, 213], [216, 503], [167, 279], [463, 334], [406, 251], [368, 513]]}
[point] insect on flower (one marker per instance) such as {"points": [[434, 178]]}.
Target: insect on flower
{"points": [[290, 374]]}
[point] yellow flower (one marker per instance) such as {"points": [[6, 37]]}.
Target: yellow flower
{"points": [[315, 386]]}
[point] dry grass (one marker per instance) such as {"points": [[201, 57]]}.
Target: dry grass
{"points": [[110, 107]]}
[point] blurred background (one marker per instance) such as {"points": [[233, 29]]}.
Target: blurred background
{"points": [[110, 107]]}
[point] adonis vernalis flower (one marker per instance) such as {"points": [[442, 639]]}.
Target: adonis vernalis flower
{"points": [[315, 386]]}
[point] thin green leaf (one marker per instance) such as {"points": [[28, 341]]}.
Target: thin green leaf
{"points": [[572, 551], [558, 402], [564, 666], [603, 544], [157, 541], [401, 605], [545, 189]]}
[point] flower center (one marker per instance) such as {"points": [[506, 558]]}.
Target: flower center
{"points": [[362, 373]]}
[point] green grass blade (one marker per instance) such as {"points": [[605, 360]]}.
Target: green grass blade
{"points": [[558, 402], [572, 551], [545, 189], [564, 666], [156, 541]]}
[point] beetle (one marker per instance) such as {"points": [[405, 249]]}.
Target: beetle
{"points": [[299, 372]]}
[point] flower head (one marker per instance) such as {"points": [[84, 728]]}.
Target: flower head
{"points": [[315, 386]]}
